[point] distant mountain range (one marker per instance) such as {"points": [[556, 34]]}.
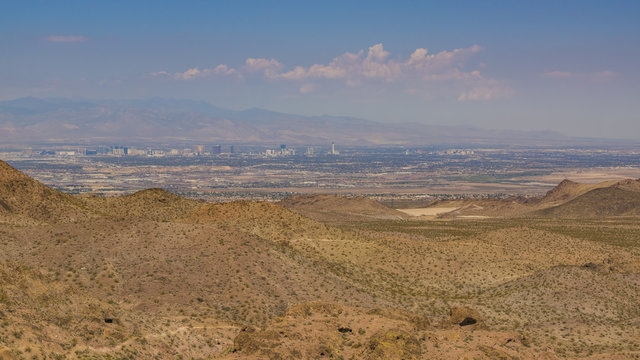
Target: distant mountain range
{"points": [[166, 120]]}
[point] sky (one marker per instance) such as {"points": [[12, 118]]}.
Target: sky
{"points": [[565, 66]]}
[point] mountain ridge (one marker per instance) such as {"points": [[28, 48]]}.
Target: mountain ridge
{"points": [[567, 200], [166, 119]]}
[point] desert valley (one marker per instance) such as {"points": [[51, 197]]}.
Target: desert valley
{"points": [[153, 275], [339, 180]]}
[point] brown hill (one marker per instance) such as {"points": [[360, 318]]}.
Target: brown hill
{"points": [[568, 199], [152, 204], [555, 301], [267, 220], [568, 190], [212, 269], [597, 203], [22, 196], [629, 185], [340, 208]]}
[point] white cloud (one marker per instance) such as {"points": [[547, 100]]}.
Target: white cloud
{"points": [[188, 75], [419, 72], [269, 67], [339, 68], [445, 65], [223, 70], [418, 56], [66, 38], [377, 53], [195, 73], [160, 74]]}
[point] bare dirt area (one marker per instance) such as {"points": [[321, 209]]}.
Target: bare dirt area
{"points": [[430, 211]]}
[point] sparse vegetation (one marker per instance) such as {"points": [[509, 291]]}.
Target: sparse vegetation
{"points": [[154, 275]]}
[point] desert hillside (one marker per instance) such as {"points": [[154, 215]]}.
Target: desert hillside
{"points": [[569, 199], [339, 208], [152, 275], [597, 203], [24, 197], [150, 204]]}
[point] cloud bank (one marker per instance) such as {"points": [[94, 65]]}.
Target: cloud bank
{"points": [[420, 69]]}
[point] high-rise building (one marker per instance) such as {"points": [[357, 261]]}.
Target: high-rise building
{"points": [[231, 149], [333, 149], [217, 149], [119, 150]]}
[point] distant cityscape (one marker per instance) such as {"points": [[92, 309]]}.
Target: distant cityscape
{"points": [[195, 150], [283, 150], [223, 172]]}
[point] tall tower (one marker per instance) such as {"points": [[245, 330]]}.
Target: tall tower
{"points": [[333, 148]]}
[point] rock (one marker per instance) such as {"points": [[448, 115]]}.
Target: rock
{"points": [[465, 316], [590, 265]]}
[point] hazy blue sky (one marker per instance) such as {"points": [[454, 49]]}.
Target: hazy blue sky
{"points": [[569, 66]]}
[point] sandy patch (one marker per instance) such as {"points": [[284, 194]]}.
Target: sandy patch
{"points": [[431, 211]]}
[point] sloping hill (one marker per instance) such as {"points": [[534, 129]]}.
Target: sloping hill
{"points": [[629, 185], [44, 316], [34, 306], [597, 203], [568, 199], [267, 220], [23, 196], [568, 190], [152, 204], [555, 302], [340, 208], [164, 268]]}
